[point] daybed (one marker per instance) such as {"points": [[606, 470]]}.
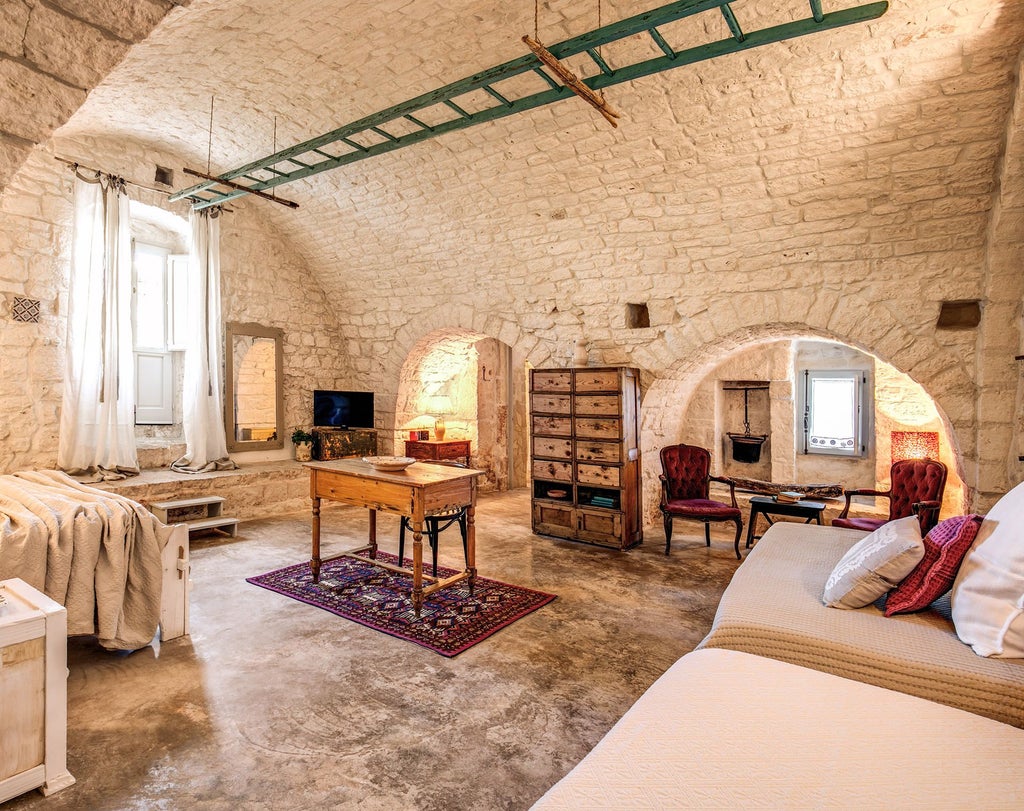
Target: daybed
{"points": [[118, 571], [789, 703]]}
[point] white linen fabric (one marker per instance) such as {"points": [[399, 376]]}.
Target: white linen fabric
{"points": [[97, 421], [722, 729], [96, 553], [988, 593], [875, 564], [202, 405]]}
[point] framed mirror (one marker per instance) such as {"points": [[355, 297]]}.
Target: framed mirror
{"points": [[253, 387]]}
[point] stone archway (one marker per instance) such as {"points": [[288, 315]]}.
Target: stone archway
{"points": [[667, 399], [467, 378]]}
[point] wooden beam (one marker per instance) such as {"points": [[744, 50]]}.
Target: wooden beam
{"points": [[571, 80], [239, 187]]}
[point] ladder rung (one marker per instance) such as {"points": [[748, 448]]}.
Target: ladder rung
{"points": [[456, 108], [732, 22], [490, 90], [387, 135], [816, 11], [607, 71], [353, 144], [327, 155], [419, 123], [554, 85], [659, 40]]}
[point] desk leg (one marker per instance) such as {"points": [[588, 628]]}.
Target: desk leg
{"points": [[417, 566], [373, 535], [754, 512], [314, 563], [471, 544]]}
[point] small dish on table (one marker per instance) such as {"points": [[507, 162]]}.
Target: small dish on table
{"points": [[392, 464]]}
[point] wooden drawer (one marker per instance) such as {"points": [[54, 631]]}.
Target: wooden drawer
{"points": [[598, 405], [597, 428], [453, 450], [551, 380], [602, 475], [559, 471], [588, 380], [552, 448], [599, 527], [552, 519], [552, 426], [551, 403], [591, 451]]}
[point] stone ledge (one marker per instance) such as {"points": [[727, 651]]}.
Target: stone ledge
{"points": [[251, 491]]}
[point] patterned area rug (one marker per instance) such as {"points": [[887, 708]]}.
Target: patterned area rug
{"points": [[450, 621]]}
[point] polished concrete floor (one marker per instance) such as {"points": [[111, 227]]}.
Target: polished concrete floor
{"points": [[274, 704]]}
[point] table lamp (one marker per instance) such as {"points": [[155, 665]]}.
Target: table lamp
{"points": [[439, 405]]}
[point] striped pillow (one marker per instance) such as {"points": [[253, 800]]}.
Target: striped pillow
{"points": [[944, 549]]}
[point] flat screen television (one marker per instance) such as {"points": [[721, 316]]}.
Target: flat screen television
{"points": [[342, 409]]}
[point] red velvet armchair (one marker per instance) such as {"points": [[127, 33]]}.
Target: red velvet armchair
{"points": [[916, 489], [685, 485]]}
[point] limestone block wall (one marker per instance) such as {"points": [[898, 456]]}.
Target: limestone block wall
{"points": [[263, 280], [51, 54]]}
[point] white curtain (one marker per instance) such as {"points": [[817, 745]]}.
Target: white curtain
{"points": [[205, 443], [97, 421]]}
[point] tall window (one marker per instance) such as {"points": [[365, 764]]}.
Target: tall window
{"points": [[160, 293], [834, 411]]}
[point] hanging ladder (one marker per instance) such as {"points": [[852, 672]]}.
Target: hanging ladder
{"points": [[417, 119]]}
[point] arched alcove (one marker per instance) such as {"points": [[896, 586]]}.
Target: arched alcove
{"points": [[690, 405], [465, 378]]}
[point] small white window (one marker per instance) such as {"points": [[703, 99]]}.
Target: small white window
{"points": [[834, 411], [160, 287]]}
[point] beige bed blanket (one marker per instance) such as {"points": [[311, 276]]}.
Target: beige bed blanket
{"points": [[94, 552]]}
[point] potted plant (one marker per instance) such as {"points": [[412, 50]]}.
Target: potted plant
{"points": [[303, 442]]}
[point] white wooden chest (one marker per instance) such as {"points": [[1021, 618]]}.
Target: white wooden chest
{"points": [[33, 691]]}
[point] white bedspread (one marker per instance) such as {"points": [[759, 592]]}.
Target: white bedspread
{"points": [[723, 729], [94, 552]]}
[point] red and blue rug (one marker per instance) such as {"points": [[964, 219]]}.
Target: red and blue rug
{"points": [[450, 621]]}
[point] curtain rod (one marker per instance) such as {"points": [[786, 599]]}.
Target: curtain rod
{"points": [[80, 165]]}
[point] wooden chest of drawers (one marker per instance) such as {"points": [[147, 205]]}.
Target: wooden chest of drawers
{"points": [[585, 456]]}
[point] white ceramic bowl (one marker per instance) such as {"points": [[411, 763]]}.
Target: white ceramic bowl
{"points": [[392, 463]]}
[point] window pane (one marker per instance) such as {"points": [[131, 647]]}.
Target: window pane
{"points": [[149, 300], [834, 414]]}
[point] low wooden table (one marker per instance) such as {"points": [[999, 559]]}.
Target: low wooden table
{"points": [[768, 506], [416, 492]]}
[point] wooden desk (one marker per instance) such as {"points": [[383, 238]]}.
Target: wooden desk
{"points": [[416, 492], [438, 449]]}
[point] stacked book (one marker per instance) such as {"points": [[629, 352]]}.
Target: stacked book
{"points": [[788, 497], [602, 501]]}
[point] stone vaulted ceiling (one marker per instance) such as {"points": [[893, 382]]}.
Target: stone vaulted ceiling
{"points": [[828, 149]]}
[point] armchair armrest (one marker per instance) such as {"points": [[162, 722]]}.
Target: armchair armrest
{"points": [[927, 513], [664, 489], [861, 492], [728, 481]]}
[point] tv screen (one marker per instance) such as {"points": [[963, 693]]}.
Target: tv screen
{"points": [[343, 409]]}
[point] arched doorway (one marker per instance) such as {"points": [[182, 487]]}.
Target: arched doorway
{"points": [[761, 382], [465, 379]]}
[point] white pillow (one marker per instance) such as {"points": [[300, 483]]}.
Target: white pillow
{"points": [[875, 564], [988, 593]]}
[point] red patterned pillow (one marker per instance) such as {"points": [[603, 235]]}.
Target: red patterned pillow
{"points": [[944, 549]]}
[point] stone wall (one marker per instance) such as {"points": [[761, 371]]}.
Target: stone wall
{"points": [[51, 54], [263, 281]]}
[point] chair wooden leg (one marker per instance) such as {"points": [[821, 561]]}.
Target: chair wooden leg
{"points": [[401, 541], [433, 538], [739, 532], [707, 533], [668, 532], [465, 540]]}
